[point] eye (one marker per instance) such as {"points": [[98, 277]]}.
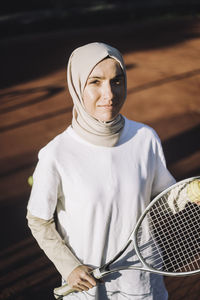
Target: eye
{"points": [[118, 81], [94, 82]]}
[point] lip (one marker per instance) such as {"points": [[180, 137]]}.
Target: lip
{"points": [[109, 107]]}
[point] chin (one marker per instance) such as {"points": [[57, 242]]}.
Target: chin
{"points": [[105, 115], [107, 118]]}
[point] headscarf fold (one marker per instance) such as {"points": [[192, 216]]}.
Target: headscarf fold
{"points": [[81, 63]]}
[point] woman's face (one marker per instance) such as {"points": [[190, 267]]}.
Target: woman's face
{"points": [[104, 92]]}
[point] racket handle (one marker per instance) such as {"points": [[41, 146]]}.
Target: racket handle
{"points": [[65, 289], [62, 291]]}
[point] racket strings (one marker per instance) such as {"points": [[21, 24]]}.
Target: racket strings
{"points": [[171, 247], [173, 241], [180, 246]]}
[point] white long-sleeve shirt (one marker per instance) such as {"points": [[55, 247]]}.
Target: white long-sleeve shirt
{"points": [[99, 193]]}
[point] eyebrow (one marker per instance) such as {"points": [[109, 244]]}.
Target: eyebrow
{"points": [[99, 77]]}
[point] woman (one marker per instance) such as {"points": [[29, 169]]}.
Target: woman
{"points": [[98, 175]]}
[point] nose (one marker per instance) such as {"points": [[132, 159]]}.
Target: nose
{"points": [[108, 93]]}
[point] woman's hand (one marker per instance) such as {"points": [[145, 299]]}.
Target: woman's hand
{"points": [[80, 279]]}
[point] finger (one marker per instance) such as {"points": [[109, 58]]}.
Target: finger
{"points": [[87, 283], [84, 281], [76, 288], [89, 279], [82, 287]]}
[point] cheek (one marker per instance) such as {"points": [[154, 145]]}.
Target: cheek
{"points": [[121, 94], [90, 96]]}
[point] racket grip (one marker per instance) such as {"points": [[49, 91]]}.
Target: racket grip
{"points": [[62, 291]]}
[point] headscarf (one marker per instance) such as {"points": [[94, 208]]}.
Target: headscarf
{"points": [[81, 63]]}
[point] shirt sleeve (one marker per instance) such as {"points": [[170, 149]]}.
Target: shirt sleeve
{"points": [[41, 207], [49, 240], [45, 190], [162, 177]]}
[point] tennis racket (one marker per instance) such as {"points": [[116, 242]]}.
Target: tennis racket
{"points": [[166, 238]]}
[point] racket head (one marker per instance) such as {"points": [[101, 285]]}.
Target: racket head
{"points": [[167, 235]]}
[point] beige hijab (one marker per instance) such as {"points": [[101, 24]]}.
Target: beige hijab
{"points": [[81, 63]]}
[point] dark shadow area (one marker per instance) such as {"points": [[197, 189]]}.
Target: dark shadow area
{"points": [[17, 229], [35, 119], [25, 271], [17, 163], [183, 145], [49, 91], [46, 16], [164, 81], [190, 290], [28, 57]]}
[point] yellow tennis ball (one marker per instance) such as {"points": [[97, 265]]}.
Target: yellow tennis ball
{"points": [[30, 180], [193, 191]]}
